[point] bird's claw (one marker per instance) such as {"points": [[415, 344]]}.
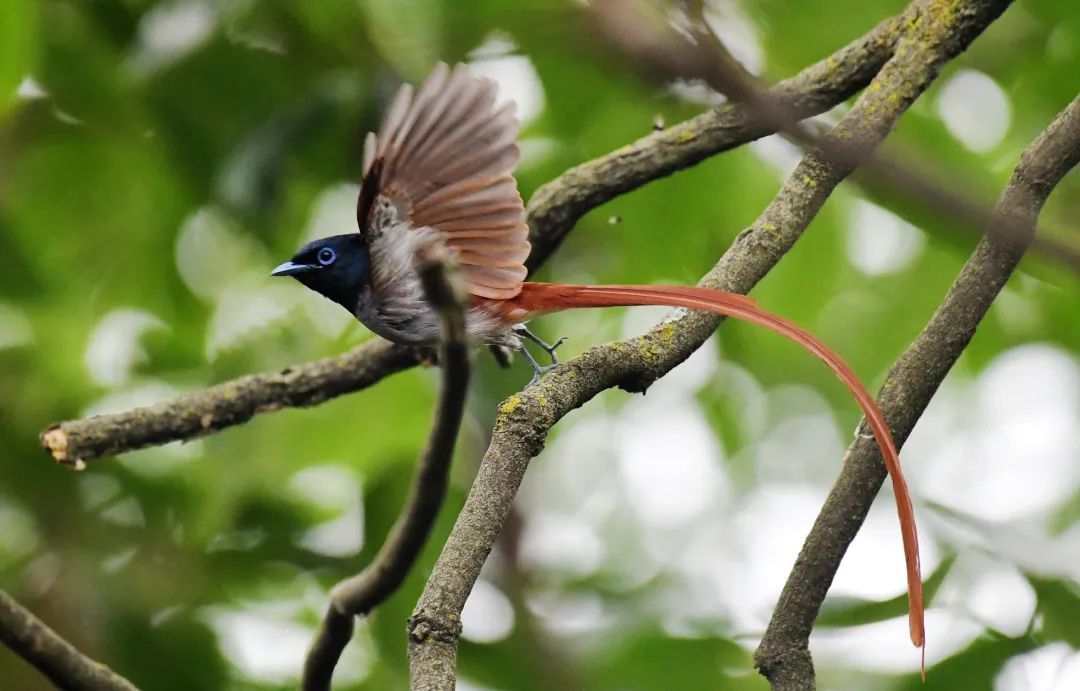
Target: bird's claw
{"points": [[538, 372], [549, 348]]}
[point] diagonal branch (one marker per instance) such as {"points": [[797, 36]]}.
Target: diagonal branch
{"points": [[526, 418], [358, 595], [783, 656], [557, 206], [54, 657], [552, 213]]}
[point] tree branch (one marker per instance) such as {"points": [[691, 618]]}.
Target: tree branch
{"points": [[557, 206], [666, 54], [54, 657], [526, 418], [358, 595], [783, 655], [552, 212], [232, 403]]}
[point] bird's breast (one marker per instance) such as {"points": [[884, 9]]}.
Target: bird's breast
{"points": [[410, 320]]}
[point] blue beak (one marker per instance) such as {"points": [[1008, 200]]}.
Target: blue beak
{"points": [[290, 269]]}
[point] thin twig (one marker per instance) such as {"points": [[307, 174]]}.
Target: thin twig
{"points": [[553, 210], [526, 418], [783, 656], [359, 594], [54, 657]]}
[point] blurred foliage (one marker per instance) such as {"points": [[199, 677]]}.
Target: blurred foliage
{"points": [[156, 158]]}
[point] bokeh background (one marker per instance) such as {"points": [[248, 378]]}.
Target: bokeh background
{"points": [[158, 158]]}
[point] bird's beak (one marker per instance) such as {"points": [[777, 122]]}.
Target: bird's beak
{"points": [[291, 268]]}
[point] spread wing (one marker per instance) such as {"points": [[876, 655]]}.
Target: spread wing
{"points": [[444, 157]]}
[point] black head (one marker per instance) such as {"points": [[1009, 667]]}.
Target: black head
{"points": [[338, 267]]}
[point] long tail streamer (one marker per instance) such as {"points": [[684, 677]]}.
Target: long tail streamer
{"points": [[538, 298]]}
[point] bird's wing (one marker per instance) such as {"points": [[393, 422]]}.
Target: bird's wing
{"points": [[445, 157]]}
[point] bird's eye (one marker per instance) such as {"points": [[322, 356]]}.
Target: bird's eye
{"points": [[326, 256]]}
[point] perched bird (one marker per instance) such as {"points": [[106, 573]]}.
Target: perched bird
{"points": [[440, 171]]}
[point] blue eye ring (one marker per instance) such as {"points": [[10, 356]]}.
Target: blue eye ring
{"points": [[326, 256]]}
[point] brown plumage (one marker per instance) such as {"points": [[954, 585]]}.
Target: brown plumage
{"points": [[445, 159]]}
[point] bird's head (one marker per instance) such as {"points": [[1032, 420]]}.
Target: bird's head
{"points": [[337, 267]]}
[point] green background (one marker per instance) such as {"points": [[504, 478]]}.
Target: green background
{"points": [[168, 154]]}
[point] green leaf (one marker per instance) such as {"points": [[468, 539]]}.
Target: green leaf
{"points": [[855, 612], [656, 661], [18, 47], [973, 668], [1059, 605]]}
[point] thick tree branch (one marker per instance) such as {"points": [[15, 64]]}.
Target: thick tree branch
{"points": [[552, 213], [784, 656], [944, 29], [54, 657], [358, 595]]}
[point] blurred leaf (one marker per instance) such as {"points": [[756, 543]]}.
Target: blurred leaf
{"points": [[1059, 606], [972, 668], [839, 611], [18, 47], [147, 655], [407, 33], [652, 661]]}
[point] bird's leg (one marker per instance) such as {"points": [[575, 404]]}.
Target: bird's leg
{"points": [[538, 369], [523, 332], [549, 348]]}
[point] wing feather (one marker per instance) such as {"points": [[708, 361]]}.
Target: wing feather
{"points": [[444, 156]]}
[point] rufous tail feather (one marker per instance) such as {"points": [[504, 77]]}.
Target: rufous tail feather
{"points": [[538, 298]]}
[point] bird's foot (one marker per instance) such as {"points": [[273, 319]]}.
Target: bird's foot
{"points": [[538, 372], [538, 369], [549, 348]]}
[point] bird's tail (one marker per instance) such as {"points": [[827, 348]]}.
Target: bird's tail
{"points": [[538, 298]]}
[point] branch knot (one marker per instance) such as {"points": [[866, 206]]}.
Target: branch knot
{"points": [[427, 626]]}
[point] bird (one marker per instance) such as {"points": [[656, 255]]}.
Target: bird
{"points": [[439, 174]]}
